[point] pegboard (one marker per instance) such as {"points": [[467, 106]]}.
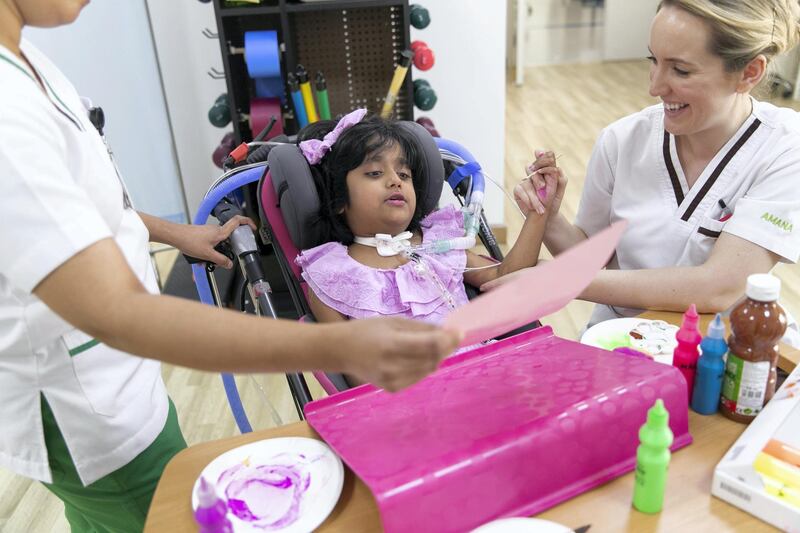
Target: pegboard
{"points": [[357, 51], [355, 43]]}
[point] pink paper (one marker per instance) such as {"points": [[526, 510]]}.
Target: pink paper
{"points": [[538, 292]]}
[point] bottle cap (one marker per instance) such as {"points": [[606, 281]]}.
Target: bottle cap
{"points": [[716, 329], [690, 318], [763, 287], [206, 494], [656, 431], [658, 415]]}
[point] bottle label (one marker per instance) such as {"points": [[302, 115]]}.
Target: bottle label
{"points": [[744, 385]]}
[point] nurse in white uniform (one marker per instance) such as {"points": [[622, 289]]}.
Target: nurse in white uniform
{"points": [[709, 180], [78, 295]]}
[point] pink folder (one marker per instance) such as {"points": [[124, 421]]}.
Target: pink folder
{"points": [[508, 429], [538, 292]]}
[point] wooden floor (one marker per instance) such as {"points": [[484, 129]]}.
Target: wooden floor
{"points": [[561, 108]]}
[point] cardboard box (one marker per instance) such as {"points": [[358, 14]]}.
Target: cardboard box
{"points": [[760, 474]]}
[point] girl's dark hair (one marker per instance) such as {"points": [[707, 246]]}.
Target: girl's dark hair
{"points": [[349, 151]]}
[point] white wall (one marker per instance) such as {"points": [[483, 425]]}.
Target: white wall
{"points": [[570, 31], [185, 57], [560, 31], [108, 54], [628, 28], [468, 38]]}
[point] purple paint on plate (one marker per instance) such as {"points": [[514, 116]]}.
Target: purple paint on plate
{"points": [[267, 496]]}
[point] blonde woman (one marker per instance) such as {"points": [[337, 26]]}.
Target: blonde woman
{"points": [[709, 179]]}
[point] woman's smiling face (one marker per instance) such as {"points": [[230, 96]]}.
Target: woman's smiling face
{"points": [[698, 93]]}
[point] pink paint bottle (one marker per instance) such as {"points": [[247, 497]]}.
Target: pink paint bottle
{"points": [[211, 513], [686, 354]]}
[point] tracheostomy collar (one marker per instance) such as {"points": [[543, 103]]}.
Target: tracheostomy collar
{"points": [[387, 245]]}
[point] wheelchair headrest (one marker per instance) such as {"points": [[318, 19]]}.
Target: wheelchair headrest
{"points": [[297, 194]]}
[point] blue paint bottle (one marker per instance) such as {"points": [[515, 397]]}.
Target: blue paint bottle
{"points": [[710, 369]]}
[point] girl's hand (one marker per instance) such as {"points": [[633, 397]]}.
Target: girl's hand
{"points": [[199, 241], [543, 189]]}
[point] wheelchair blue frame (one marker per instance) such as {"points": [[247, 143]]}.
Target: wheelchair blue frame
{"points": [[213, 197]]}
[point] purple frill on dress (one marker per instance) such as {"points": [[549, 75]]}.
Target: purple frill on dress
{"points": [[359, 291]]}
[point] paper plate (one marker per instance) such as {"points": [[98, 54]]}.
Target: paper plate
{"points": [[658, 336], [286, 484], [522, 525]]}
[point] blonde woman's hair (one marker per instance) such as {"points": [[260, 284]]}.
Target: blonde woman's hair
{"points": [[743, 29]]}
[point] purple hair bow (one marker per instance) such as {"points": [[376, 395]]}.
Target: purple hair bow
{"points": [[314, 149]]}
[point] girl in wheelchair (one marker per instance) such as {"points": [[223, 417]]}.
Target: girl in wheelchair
{"points": [[372, 178]]}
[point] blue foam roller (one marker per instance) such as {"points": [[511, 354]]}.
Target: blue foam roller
{"points": [[270, 88], [262, 54]]}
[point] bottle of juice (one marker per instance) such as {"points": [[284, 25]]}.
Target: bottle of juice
{"points": [[757, 325]]}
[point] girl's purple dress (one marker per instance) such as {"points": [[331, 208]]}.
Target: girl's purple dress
{"points": [[359, 291]]}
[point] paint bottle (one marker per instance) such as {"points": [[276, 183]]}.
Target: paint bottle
{"points": [[652, 460], [686, 353], [757, 325], [710, 369], [211, 513]]}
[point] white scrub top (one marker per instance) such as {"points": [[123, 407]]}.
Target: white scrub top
{"points": [[60, 193], [635, 174]]}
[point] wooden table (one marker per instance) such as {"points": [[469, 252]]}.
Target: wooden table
{"points": [[688, 504]]}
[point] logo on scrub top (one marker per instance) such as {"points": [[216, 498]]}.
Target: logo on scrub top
{"points": [[778, 222]]}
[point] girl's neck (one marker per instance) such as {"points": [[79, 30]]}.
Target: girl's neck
{"points": [[392, 232], [706, 144], [10, 28]]}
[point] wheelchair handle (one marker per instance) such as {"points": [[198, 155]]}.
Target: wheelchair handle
{"points": [[243, 240]]}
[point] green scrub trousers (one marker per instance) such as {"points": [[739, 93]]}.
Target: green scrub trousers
{"points": [[118, 502]]}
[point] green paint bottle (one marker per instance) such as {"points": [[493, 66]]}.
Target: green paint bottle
{"points": [[652, 459]]}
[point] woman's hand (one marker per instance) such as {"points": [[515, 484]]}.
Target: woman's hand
{"points": [[393, 353], [199, 241], [543, 189]]}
